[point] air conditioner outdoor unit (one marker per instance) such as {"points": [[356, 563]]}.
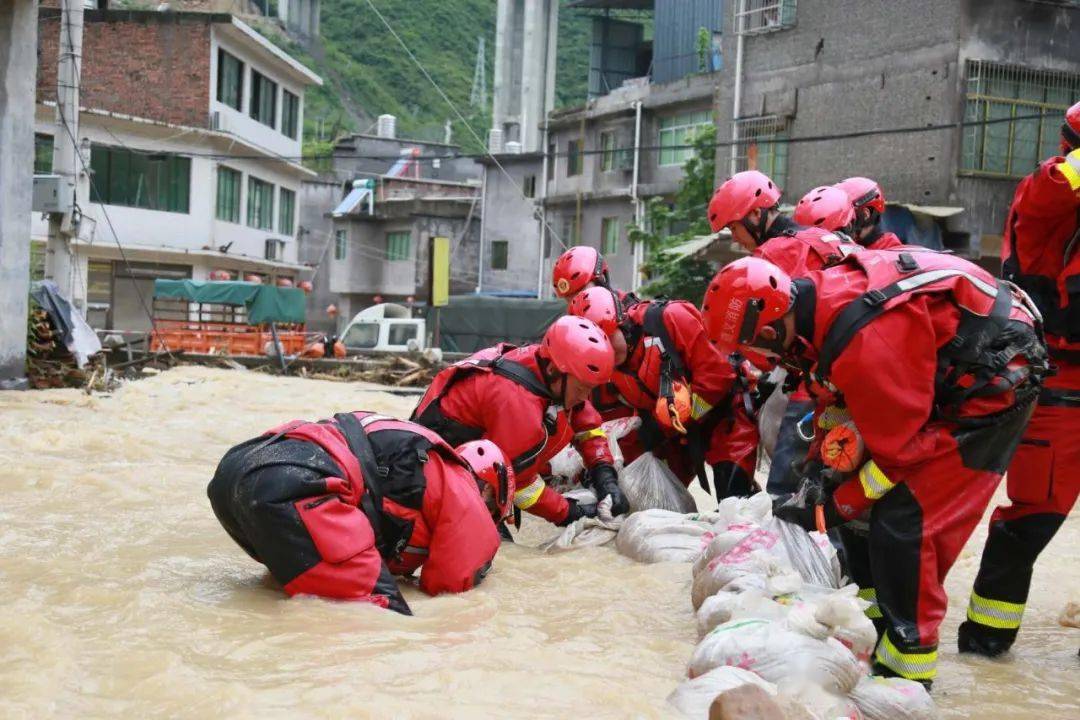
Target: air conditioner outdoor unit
{"points": [[217, 121], [275, 249], [49, 195]]}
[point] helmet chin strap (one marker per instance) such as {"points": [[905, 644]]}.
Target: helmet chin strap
{"points": [[757, 230]]}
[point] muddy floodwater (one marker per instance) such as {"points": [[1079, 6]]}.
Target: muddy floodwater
{"points": [[121, 596]]}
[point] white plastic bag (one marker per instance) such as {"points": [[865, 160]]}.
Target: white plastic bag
{"points": [[807, 701], [567, 466], [882, 698], [649, 484], [725, 606], [661, 536], [777, 653], [693, 698]]}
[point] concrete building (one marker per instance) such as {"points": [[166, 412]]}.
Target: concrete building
{"points": [[18, 42], [445, 192], [526, 33], [513, 257], [825, 67], [192, 125]]}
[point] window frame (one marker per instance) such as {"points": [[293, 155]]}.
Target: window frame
{"points": [[397, 254], [674, 133], [219, 200], [500, 250], [290, 114], [341, 244], [609, 236], [763, 131], [574, 157], [162, 181], [219, 93], [607, 151], [255, 205], [528, 186], [259, 83], [289, 227], [41, 142]]}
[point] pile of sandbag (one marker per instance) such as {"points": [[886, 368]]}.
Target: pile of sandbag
{"points": [[772, 611]]}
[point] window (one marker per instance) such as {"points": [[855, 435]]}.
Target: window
{"points": [[290, 114], [1016, 115], [551, 161], [260, 204], [609, 236], [228, 194], [529, 186], [573, 158], [263, 104], [547, 241], [156, 181], [341, 243], [399, 246], [401, 333], [762, 16], [762, 146], [500, 251], [676, 133], [43, 152], [230, 80], [286, 211], [571, 231], [274, 249], [362, 335], [607, 151]]}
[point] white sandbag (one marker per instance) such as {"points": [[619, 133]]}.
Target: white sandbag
{"points": [[725, 606], [649, 484], [661, 536], [754, 509], [777, 576], [693, 698], [721, 542], [777, 653], [567, 466], [806, 701], [844, 614], [882, 698]]}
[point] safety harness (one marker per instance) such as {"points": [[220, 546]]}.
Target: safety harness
{"points": [[975, 362]]}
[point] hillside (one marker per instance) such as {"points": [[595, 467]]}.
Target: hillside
{"points": [[368, 74]]}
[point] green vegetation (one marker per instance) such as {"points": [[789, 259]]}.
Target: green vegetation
{"points": [[681, 278]]}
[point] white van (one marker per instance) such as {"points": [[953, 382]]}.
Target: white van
{"points": [[385, 327]]}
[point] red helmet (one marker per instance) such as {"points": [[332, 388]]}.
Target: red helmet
{"points": [[1070, 129], [491, 466], [743, 298], [825, 207], [576, 268], [599, 305], [863, 192], [579, 348], [739, 195]]}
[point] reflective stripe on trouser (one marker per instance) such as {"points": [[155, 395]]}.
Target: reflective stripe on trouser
{"points": [[874, 482], [870, 595], [913, 664], [995, 613], [527, 496]]}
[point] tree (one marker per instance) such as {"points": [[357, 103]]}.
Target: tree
{"points": [[682, 278]]}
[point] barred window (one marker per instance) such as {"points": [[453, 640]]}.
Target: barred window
{"points": [[399, 246], [676, 134], [762, 145], [1016, 117], [761, 16]]}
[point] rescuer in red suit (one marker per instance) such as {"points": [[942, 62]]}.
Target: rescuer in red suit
{"points": [[681, 387], [337, 508], [868, 201], [939, 365], [1039, 253], [532, 402]]}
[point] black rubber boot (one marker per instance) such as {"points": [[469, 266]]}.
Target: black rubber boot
{"points": [[981, 640]]}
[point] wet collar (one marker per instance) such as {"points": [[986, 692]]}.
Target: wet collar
{"points": [[780, 226], [872, 238]]}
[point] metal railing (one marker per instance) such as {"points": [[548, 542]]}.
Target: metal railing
{"points": [[753, 17], [758, 148]]}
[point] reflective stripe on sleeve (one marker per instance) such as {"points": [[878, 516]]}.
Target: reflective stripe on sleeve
{"points": [[527, 496], [698, 406], [917, 665], [832, 416], [590, 434], [1070, 168], [874, 482], [995, 613]]}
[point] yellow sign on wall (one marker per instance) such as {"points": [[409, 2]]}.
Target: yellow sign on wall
{"points": [[440, 271]]}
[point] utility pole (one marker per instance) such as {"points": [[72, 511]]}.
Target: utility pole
{"points": [[67, 160]]}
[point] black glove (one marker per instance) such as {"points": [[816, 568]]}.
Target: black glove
{"points": [[605, 481], [576, 512], [793, 508], [730, 480]]}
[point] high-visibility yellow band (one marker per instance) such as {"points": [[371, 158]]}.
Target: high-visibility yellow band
{"points": [[589, 434], [1071, 169], [874, 482], [832, 416], [870, 595], [527, 496], [911, 665], [698, 406], [995, 613]]}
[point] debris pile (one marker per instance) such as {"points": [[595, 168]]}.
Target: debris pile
{"points": [[49, 364], [414, 370]]}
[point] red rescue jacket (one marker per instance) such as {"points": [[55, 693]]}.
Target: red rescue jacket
{"points": [[895, 367], [432, 515], [879, 240], [798, 250], [1039, 249], [484, 396]]}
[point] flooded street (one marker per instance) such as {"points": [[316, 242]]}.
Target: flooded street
{"points": [[121, 596]]}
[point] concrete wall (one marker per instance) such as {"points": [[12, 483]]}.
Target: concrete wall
{"points": [[362, 155], [164, 65], [511, 217], [315, 247], [17, 55]]}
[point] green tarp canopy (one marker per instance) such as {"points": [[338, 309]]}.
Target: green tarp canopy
{"points": [[264, 303], [473, 322]]}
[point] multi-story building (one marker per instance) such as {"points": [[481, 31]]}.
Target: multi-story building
{"points": [[888, 87], [191, 123], [368, 220]]}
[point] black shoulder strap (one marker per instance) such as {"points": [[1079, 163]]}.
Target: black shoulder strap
{"points": [[520, 374], [371, 502], [653, 324]]}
